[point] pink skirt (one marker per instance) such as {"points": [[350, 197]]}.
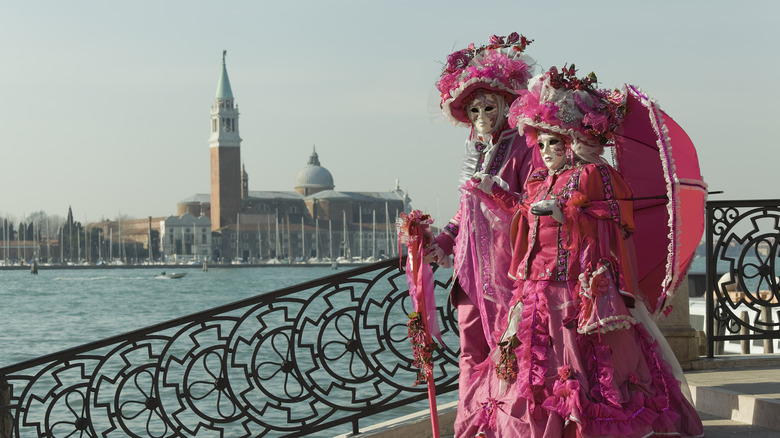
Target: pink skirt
{"points": [[562, 383]]}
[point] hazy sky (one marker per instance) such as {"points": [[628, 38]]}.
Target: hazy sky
{"points": [[105, 105]]}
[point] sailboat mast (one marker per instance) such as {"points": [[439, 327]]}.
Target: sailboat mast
{"points": [[289, 241], [149, 242], [303, 241], [387, 230], [276, 230], [347, 254], [121, 247]]}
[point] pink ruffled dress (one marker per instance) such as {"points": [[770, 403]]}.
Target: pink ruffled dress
{"points": [[572, 361]]}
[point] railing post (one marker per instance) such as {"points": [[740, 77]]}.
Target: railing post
{"points": [[6, 420], [709, 291], [766, 318], [745, 331]]}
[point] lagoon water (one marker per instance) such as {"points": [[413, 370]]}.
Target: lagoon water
{"points": [[64, 308]]}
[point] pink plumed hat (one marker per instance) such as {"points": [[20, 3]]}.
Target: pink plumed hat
{"points": [[561, 103], [500, 67]]}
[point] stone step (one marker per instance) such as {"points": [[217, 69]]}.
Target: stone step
{"points": [[746, 395]]}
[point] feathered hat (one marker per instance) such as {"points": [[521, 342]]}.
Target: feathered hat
{"points": [[561, 103], [499, 67]]}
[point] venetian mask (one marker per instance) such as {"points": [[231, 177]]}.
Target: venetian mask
{"points": [[553, 149], [483, 111]]}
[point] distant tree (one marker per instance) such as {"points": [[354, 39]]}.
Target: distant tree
{"points": [[95, 240], [8, 227], [155, 245]]}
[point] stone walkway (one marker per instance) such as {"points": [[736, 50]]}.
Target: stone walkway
{"points": [[735, 396]]}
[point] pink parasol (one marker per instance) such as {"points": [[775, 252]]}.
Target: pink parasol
{"points": [[659, 162]]}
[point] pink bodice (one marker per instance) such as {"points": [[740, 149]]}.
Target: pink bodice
{"points": [[598, 216]]}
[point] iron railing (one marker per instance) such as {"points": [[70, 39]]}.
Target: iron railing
{"points": [[317, 358], [742, 297]]}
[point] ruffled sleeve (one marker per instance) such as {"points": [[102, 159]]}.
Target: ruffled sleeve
{"points": [[609, 197], [607, 278]]}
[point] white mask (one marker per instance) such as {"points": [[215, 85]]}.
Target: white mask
{"points": [[483, 111], [553, 149]]}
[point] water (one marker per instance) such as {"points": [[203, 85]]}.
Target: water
{"points": [[60, 309]]}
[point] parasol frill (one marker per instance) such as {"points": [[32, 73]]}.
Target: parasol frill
{"points": [[659, 161]]}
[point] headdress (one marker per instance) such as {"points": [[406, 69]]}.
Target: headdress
{"points": [[499, 67], [561, 103]]}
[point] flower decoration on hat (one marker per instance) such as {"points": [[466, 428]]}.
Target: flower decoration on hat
{"points": [[562, 103], [499, 67]]}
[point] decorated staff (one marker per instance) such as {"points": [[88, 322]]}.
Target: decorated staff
{"points": [[423, 326]]}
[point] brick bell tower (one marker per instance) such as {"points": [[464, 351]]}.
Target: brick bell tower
{"points": [[225, 145]]}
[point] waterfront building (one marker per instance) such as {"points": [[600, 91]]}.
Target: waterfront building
{"points": [[186, 238]]}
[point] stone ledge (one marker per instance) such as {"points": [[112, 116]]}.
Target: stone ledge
{"points": [[731, 405], [416, 425], [724, 362]]}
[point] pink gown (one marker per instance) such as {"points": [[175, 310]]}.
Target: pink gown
{"points": [[482, 291], [572, 361]]}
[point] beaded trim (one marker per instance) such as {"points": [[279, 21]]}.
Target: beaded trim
{"points": [[609, 197], [562, 265], [497, 159], [452, 229]]}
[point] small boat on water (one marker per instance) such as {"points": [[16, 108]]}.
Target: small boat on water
{"points": [[171, 275]]}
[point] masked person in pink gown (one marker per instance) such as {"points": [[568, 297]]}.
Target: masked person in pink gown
{"points": [[572, 360], [477, 86]]}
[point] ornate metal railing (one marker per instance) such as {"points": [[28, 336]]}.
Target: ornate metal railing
{"points": [[743, 301], [316, 358]]}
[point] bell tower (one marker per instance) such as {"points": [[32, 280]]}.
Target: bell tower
{"points": [[225, 145]]}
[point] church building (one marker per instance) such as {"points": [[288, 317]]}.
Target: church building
{"points": [[312, 222]]}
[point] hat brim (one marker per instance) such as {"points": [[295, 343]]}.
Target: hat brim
{"points": [[454, 108]]}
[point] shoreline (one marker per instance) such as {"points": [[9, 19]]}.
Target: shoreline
{"points": [[175, 266]]}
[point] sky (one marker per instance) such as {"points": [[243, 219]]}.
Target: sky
{"points": [[105, 105]]}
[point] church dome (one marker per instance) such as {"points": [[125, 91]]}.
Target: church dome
{"points": [[313, 178]]}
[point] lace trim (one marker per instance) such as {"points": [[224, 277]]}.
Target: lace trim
{"points": [[605, 325], [673, 269]]}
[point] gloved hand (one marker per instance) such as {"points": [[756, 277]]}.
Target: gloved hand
{"points": [[485, 181], [434, 254], [548, 207]]}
